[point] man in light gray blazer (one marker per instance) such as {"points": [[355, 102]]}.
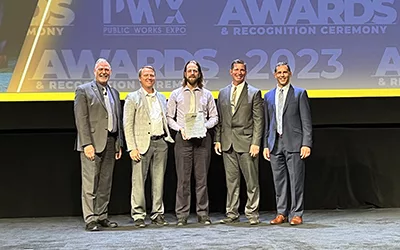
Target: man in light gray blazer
{"points": [[287, 142], [98, 118], [146, 133], [238, 137]]}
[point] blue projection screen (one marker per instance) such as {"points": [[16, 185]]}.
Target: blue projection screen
{"points": [[336, 48]]}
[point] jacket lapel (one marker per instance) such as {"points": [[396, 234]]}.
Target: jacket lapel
{"points": [[145, 104], [116, 101], [228, 98], [242, 96], [289, 97], [162, 111], [168, 138], [273, 93], [98, 94]]}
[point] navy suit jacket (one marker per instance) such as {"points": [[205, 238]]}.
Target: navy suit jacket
{"points": [[296, 120]]}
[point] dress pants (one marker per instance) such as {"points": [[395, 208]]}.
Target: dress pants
{"points": [[96, 182], [155, 160], [192, 154], [235, 162], [288, 169]]}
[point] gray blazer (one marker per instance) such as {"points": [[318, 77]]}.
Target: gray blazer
{"points": [[137, 123], [296, 120], [245, 126], [91, 117]]}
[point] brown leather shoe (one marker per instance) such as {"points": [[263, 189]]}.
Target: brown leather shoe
{"points": [[279, 220], [296, 220]]}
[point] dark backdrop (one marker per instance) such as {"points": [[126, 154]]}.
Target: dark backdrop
{"points": [[354, 162]]}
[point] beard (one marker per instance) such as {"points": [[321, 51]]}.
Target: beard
{"points": [[192, 80]]}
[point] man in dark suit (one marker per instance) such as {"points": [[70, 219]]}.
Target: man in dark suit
{"points": [[238, 137], [97, 110], [287, 143]]}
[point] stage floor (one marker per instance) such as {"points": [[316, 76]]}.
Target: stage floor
{"points": [[322, 229]]}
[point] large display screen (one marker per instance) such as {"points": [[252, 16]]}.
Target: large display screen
{"points": [[336, 48]]}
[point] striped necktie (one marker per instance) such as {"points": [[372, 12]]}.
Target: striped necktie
{"points": [[233, 100]]}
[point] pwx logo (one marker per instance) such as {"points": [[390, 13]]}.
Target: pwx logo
{"points": [[143, 17]]}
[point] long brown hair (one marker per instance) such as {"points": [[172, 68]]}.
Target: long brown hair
{"points": [[200, 83]]}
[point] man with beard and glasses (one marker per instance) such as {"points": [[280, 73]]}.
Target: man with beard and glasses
{"points": [[191, 111], [238, 138], [287, 143], [98, 114]]}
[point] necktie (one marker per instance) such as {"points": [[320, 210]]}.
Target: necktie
{"points": [[192, 105], [109, 110], [233, 100], [280, 111]]}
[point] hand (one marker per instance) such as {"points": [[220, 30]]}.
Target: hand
{"points": [[266, 154], [184, 137], [89, 152], [305, 152], [217, 148], [135, 155], [254, 150], [118, 154]]}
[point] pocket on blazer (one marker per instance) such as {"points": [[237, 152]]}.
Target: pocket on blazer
{"points": [[248, 131], [297, 130]]}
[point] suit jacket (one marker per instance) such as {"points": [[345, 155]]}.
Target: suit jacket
{"points": [[245, 126], [137, 122], [91, 117], [296, 120]]}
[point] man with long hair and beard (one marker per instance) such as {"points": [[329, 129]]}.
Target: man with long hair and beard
{"points": [[192, 100]]}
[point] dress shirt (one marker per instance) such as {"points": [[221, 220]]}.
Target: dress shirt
{"points": [[155, 112], [179, 106], [239, 89], [285, 92], [112, 104]]}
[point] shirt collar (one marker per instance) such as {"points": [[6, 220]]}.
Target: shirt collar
{"points": [[187, 88], [285, 88], [147, 93], [239, 85], [100, 87]]}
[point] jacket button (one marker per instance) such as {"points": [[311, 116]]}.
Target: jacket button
{"points": [[148, 132]]}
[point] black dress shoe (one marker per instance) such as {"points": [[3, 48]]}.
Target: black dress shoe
{"points": [[107, 223], [92, 226]]}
